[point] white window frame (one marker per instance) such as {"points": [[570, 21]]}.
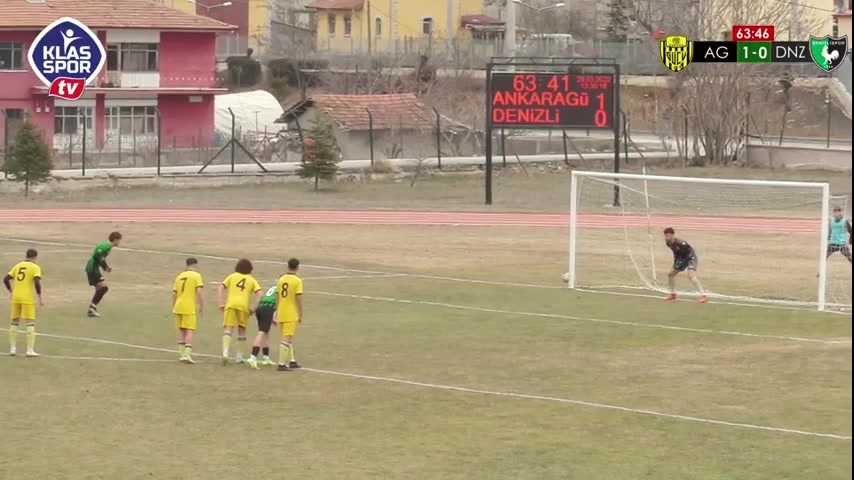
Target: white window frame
{"points": [[331, 21], [378, 27], [348, 25], [138, 120], [78, 113], [123, 51], [427, 21], [13, 47]]}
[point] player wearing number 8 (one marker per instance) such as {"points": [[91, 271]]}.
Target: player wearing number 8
{"points": [[241, 286], [26, 276], [187, 301], [289, 312]]}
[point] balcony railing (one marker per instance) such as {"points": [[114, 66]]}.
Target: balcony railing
{"points": [[132, 79]]}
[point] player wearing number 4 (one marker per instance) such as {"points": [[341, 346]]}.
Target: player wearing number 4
{"points": [[188, 304], [236, 308], [27, 278], [289, 312], [684, 259]]}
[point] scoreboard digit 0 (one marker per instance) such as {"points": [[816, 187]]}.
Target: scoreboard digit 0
{"points": [[544, 100]]}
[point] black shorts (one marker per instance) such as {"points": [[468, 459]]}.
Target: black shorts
{"points": [[94, 278], [265, 318], [845, 250], [687, 263]]}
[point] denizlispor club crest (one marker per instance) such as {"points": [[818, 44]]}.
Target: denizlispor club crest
{"points": [[676, 52], [828, 52]]}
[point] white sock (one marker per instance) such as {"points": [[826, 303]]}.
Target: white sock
{"points": [[672, 282], [697, 284]]}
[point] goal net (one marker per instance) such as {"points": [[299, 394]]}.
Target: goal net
{"points": [[757, 241]]}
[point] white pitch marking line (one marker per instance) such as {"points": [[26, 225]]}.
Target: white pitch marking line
{"points": [[413, 275], [103, 359], [523, 396], [584, 319], [464, 307]]}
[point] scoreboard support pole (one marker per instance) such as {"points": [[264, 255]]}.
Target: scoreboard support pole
{"points": [[591, 87]]}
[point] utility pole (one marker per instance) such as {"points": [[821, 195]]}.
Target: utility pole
{"points": [[510, 30], [370, 49], [794, 28], [451, 29]]}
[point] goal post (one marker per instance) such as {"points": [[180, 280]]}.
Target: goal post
{"points": [[756, 240]]}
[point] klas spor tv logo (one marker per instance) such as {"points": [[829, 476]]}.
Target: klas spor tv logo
{"points": [[67, 56]]}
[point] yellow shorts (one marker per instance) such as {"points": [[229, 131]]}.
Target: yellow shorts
{"points": [[23, 311], [185, 322], [235, 318], [288, 329]]}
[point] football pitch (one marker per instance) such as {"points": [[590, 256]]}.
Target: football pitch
{"points": [[431, 352]]}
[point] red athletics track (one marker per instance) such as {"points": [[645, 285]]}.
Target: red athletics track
{"points": [[391, 217]]}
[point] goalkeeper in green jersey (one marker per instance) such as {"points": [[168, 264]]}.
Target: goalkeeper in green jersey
{"points": [[97, 262], [265, 315]]}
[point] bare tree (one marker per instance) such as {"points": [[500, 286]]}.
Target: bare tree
{"points": [[713, 98]]}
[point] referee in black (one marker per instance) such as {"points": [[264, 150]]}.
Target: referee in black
{"points": [[264, 315]]}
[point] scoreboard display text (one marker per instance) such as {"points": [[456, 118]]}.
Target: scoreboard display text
{"points": [[751, 52], [543, 100]]}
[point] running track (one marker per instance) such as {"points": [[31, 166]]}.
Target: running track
{"points": [[389, 217]]}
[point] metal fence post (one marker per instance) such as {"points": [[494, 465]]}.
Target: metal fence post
{"points": [[158, 151], [370, 134], [827, 106], [233, 136], [503, 149], [5, 142], [438, 138], [83, 149]]}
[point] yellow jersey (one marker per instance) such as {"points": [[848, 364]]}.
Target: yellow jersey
{"points": [[289, 287], [24, 277], [185, 287], [240, 289]]}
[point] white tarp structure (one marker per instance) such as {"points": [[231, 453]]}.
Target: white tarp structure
{"points": [[253, 112]]}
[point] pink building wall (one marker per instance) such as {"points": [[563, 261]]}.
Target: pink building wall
{"points": [[187, 59], [186, 124]]}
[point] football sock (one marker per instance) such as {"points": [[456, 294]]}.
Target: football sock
{"points": [[181, 347], [226, 342], [13, 335], [188, 350], [284, 353], [699, 286], [266, 351], [672, 282], [240, 342], [255, 351], [293, 359], [99, 295], [31, 336]]}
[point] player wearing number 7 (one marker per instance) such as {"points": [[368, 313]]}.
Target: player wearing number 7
{"points": [[27, 277], [289, 312], [241, 286], [187, 303]]}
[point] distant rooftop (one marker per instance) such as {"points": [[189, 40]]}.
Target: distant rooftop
{"points": [[103, 14]]}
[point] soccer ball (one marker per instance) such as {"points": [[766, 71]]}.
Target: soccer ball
{"points": [[566, 277]]}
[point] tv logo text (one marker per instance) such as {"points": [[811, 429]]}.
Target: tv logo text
{"points": [[67, 56]]}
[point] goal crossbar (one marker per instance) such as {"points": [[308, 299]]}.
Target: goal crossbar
{"points": [[821, 188]]}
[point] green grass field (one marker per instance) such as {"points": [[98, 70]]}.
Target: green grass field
{"points": [[411, 376]]}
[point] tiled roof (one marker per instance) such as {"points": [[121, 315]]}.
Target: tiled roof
{"points": [[336, 4], [103, 14], [479, 19], [396, 111]]}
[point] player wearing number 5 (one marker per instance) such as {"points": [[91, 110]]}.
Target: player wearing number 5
{"points": [[187, 301], [241, 286], [289, 312], [27, 277]]}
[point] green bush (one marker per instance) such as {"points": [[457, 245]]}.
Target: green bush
{"points": [[243, 71]]}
